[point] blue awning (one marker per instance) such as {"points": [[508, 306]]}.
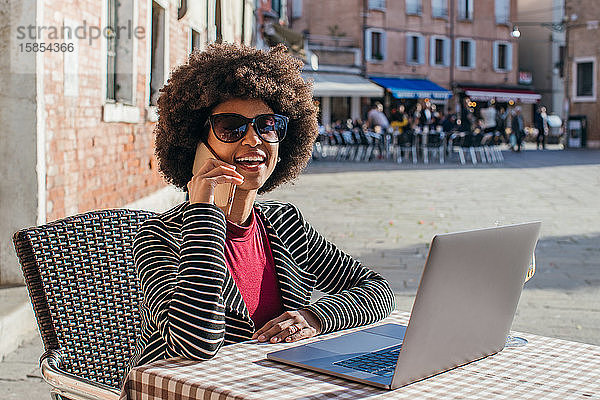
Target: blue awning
{"points": [[412, 88]]}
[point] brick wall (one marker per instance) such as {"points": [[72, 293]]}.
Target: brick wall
{"points": [[583, 43], [92, 164]]}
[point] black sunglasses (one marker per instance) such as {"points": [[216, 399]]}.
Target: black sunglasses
{"points": [[231, 127]]}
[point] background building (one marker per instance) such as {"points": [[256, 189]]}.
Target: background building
{"points": [[541, 27], [77, 123], [333, 38], [451, 47], [581, 88]]}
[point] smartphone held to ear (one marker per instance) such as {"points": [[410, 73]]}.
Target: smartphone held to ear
{"points": [[224, 192]]}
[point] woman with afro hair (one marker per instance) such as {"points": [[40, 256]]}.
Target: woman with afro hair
{"points": [[211, 275]]}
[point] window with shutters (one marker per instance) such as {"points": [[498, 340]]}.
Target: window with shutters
{"points": [[440, 51], [119, 56], [465, 53], [157, 53], [439, 8], [377, 5], [414, 7], [502, 56], [584, 79], [275, 6], [415, 49], [501, 64], [196, 40], [465, 10], [297, 9], [375, 44], [502, 11]]}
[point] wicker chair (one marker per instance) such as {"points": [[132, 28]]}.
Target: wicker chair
{"points": [[82, 284]]}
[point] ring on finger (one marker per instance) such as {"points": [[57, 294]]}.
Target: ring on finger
{"points": [[293, 329]]}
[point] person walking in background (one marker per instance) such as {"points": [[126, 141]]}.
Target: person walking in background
{"points": [[501, 118], [380, 124], [540, 120], [376, 118], [426, 117], [466, 117], [448, 123], [399, 119], [518, 128], [417, 115]]}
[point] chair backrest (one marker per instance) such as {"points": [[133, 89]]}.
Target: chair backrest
{"points": [[364, 139], [477, 138], [337, 137], [467, 140], [434, 139], [406, 139], [356, 136], [347, 137], [82, 283]]}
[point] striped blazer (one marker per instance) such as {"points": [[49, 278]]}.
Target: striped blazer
{"points": [[191, 304]]}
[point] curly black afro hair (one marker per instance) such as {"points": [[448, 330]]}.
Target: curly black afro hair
{"points": [[222, 72]]}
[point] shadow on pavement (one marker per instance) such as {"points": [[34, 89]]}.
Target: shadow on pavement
{"points": [[529, 158], [563, 263]]}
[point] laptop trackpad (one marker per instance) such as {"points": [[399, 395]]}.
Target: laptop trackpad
{"points": [[357, 342]]}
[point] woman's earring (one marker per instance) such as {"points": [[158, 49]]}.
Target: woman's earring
{"points": [[278, 159]]}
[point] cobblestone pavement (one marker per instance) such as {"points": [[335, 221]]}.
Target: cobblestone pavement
{"points": [[385, 214]]}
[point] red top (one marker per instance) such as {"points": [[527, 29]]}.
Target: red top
{"points": [[250, 261]]}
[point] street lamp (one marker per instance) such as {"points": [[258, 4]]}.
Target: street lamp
{"points": [[516, 33]]}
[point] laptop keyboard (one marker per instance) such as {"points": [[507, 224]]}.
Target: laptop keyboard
{"points": [[380, 362]]}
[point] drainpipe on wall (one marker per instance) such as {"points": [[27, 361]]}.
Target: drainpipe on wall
{"points": [[452, 104], [364, 40], [567, 68]]}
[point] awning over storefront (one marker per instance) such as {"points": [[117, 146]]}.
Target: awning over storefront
{"points": [[342, 85], [502, 95], [412, 88]]}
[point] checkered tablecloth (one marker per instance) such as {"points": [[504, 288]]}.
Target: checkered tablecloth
{"points": [[545, 368]]}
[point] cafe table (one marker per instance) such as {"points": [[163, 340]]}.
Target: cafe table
{"points": [[544, 368]]}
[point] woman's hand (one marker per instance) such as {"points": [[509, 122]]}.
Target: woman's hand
{"points": [[290, 326], [201, 187]]}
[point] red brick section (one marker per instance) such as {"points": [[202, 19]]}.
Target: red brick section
{"points": [[92, 164], [583, 42]]}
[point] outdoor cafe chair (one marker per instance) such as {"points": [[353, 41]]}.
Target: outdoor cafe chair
{"points": [[81, 279], [329, 144], [490, 149], [477, 147], [340, 145], [434, 143], [457, 144], [405, 143], [319, 150], [360, 147], [493, 143], [467, 143], [368, 142], [350, 145]]}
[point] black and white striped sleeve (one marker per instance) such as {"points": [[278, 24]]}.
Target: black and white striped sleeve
{"points": [[355, 295], [183, 286]]}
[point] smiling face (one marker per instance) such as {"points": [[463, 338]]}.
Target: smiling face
{"points": [[253, 157]]}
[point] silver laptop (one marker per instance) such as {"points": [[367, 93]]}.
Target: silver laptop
{"points": [[463, 311]]}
